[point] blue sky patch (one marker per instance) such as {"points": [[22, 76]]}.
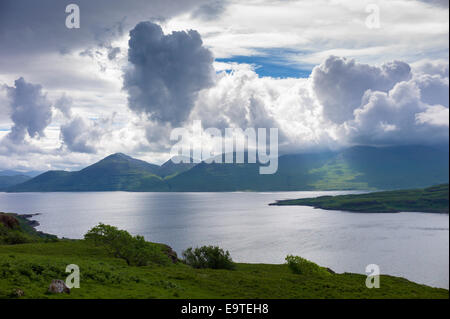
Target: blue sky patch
{"points": [[276, 67]]}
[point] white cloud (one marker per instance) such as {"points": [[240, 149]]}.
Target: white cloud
{"points": [[340, 84], [410, 30], [320, 112], [399, 116], [435, 115]]}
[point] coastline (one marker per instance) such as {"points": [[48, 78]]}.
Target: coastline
{"points": [[28, 219], [434, 199]]}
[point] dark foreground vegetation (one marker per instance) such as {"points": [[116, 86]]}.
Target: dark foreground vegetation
{"points": [[115, 264], [430, 200]]}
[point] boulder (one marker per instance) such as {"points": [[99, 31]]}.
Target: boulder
{"points": [[170, 253], [16, 292], [58, 286], [9, 221]]}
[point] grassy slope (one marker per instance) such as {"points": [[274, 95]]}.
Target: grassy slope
{"points": [[31, 267], [433, 199]]}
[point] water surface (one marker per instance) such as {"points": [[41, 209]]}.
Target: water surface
{"points": [[411, 245]]}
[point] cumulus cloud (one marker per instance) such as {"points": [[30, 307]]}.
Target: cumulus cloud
{"points": [[436, 67], [81, 136], [434, 115], [403, 115], [64, 104], [31, 111], [166, 72], [239, 99], [242, 99], [340, 83], [382, 105], [433, 89]]}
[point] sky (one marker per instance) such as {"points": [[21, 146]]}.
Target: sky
{"points": [[328, 74]]}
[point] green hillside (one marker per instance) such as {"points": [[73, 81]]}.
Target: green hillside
{"points": [[363, 168], [432, 199], [30, 267], [356, 168]]}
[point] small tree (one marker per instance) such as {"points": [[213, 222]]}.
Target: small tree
{"points": [[121, 244], [302, 266], [208, 257]]}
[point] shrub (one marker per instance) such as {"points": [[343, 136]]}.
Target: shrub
{"points": [[301, 266], [133, 249], [208, 257], [13, 236]]}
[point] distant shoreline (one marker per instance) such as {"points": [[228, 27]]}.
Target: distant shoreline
{"points": [[433, 199]]}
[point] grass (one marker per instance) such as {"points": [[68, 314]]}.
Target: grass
{"points": [[433, 200], [338, 175], [31, 267]]}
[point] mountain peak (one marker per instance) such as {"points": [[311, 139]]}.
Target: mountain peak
{"points": [[118, 156]]}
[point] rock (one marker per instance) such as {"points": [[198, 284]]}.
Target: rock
{"points": [[58, 287], [171, 253], [9, 221], [16, 292]]}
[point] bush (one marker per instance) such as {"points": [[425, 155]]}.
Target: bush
{"points": [[134, 250], [13, 236], [208, 257], [301, 266]]}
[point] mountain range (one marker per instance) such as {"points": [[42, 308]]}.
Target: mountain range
{"points": [[10, 178], [359, 167]]}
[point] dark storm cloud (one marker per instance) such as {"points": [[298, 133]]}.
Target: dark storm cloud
{"points": [[167, 72], [39, 26], [30, 110]]}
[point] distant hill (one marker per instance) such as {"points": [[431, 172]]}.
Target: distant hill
{"points": [[113, 173], [117, 172], [361, 167], [14, 173], [10, 173], [430, 200], [358, 167], [11, 180]]}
